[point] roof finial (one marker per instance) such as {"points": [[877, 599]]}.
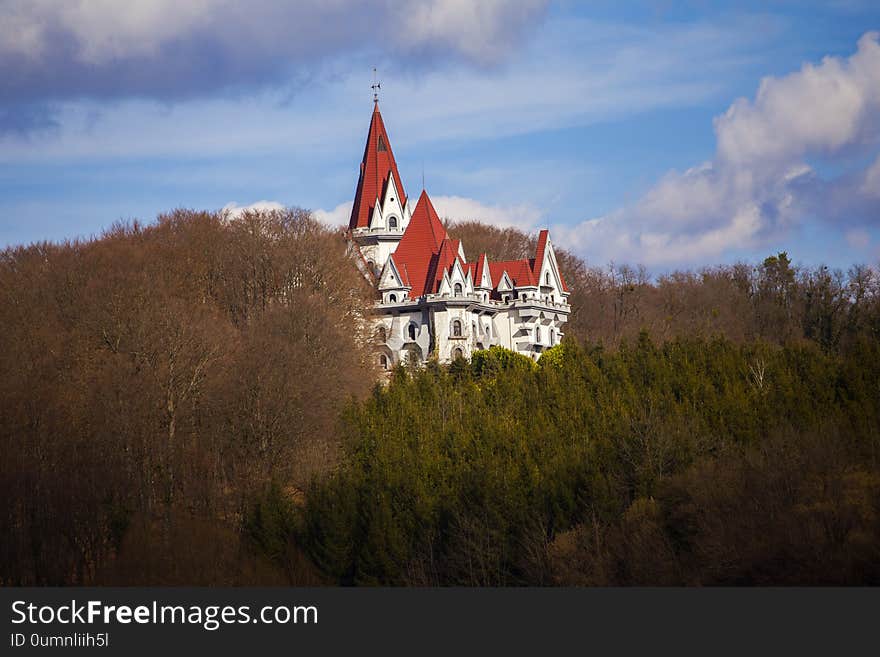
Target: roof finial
{"points": [[375, 87]]}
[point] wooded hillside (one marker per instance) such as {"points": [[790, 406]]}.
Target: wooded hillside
{"points": [[194, 402]]}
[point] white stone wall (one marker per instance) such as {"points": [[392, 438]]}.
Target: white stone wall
{"points": [[512, 326]]}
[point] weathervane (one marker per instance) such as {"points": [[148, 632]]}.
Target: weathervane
{"points": [[375, 87]]}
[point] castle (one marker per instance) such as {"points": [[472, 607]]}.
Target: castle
{"points": [[431, 300]]}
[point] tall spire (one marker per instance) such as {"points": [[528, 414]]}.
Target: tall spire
{"points": [[377, 167]]}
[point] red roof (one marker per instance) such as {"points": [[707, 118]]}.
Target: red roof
{"points": [[425, 252], [543, 238], [443, 262], [520, 272], [402, 270], [376, 167], [420, 247]]}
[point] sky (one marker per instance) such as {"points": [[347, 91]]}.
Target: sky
{"points": [[674, 135]]}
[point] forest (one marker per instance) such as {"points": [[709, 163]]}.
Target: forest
{"points": [[196, 401]]}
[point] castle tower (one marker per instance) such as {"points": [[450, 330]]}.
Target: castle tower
{"points": [[380, 213], [431, 302]]}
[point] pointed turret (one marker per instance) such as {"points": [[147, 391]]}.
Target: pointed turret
{"points": [[377, 167], [420, 245]]}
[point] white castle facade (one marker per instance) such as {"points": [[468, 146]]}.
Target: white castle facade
{"points": [[432, 302]]}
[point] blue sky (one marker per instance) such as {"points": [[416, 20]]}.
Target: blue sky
{"points": [[669, 134]]}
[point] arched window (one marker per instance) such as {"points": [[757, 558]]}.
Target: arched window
{"points": [[474, 329], [537, 334], [506, 298], [488, 332], [457, 353], [383, 361], [381, 334], [392, 222], [552, 336], [547, 278], [458, 289], [411, 330], [392, 298], [456, 329]]}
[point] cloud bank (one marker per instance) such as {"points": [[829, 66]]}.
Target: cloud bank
{"points": [[54, 51], [232, 210], [763, 179]]}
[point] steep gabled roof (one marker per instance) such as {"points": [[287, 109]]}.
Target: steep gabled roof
{"points": [[540, 254], [376, 167], [401, 269], [443, 263], [420, 247]]}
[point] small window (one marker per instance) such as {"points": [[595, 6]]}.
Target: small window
{"points": [[547, 278], [488, 332], [552, 337], [381, 334], [392, 222], [383, 361], [457, 353], [381, 147], [458, 289], [506, 298], [392, 298], [456, 329], [411, 331], [537, 334]]}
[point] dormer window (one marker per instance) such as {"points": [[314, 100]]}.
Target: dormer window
{"points": [[458, 289], [392, 222], [381, 147], [392, 298]]}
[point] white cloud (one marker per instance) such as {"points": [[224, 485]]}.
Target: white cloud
{"points": [[336, 217], [457, 208], [818, 110], [233, 210], [618, 71], [483, 31], [758, 185], [97, 32]]}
